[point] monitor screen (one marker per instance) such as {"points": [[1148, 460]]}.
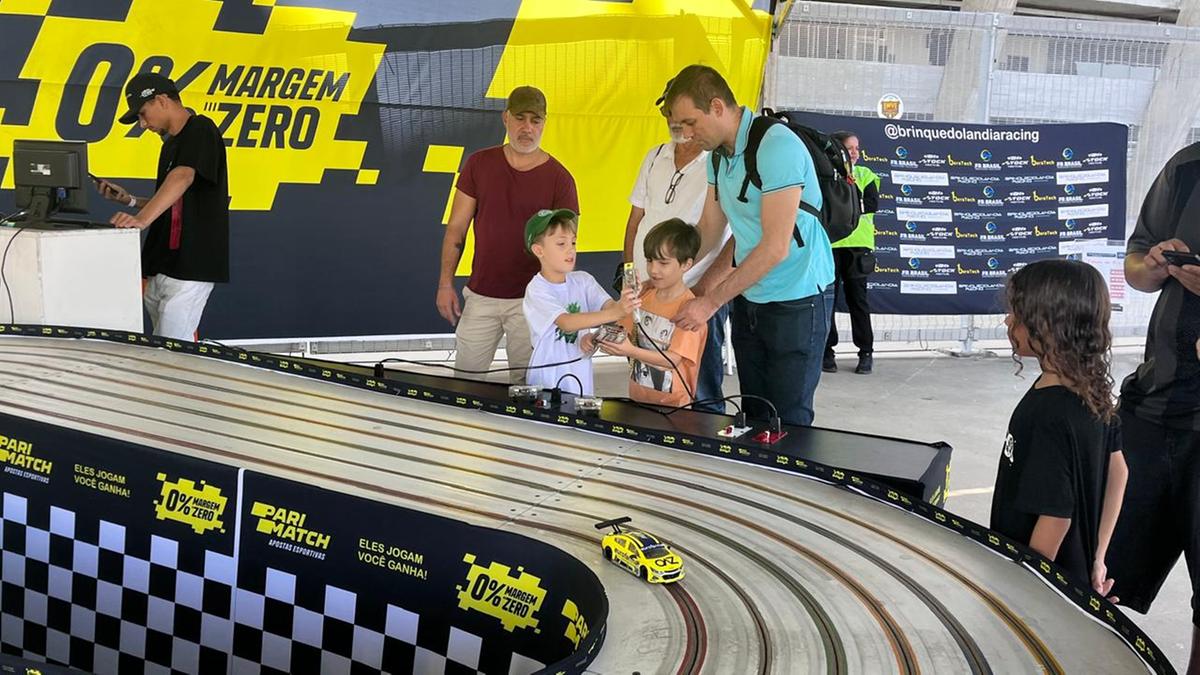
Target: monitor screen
{"points": [[50, 177]]}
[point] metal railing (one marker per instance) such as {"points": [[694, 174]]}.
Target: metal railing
{"points": [[997, 69]]}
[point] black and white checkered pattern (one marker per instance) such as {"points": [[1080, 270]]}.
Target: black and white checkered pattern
{"points": [[77, 591], [284, 627], [81, 592]]}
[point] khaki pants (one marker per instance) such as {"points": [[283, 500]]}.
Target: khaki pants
{"points": [[484, 320]]}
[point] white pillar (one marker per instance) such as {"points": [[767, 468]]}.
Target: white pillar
{"points": [[962, 97], [1169, 117]]}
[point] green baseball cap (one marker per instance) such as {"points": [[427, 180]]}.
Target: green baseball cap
{"points": [[526, 99], [537, 224]]}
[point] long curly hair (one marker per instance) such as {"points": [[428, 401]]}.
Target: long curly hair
{"points": [[1064, 306]]}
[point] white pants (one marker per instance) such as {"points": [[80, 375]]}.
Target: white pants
{"points": [[175, 306], [484, 320]]}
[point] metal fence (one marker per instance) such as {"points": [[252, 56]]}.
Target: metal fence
{"points": [[998, 69]]}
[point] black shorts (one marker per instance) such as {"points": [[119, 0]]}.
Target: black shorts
{"points": [[1160, 517]]}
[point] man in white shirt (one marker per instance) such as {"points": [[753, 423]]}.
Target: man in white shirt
{"points": [[672, 183]]}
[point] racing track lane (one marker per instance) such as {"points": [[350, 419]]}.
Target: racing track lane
{"points": [[489, 434], [906, 659], [693, 659], [901, 648], [697, 638], [903, 653]]}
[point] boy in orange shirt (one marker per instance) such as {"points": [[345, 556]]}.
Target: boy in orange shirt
{"points": [[670, 249]]}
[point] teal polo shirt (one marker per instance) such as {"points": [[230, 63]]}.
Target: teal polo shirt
{"points": [[783, 162]]}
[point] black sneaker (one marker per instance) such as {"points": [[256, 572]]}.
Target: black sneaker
{"points": [[829, 364], [865, 362]]}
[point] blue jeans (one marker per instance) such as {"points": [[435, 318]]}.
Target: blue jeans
{"points": [[779, 347], [712, 369]]}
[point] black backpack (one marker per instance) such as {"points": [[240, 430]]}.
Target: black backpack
{"points": [[841, 199]]}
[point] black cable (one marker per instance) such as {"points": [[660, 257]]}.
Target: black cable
{"points": [[724, 399], [774, 424], [463, 370], [232, 348], [573, 377], [12, 314], [753, 397], [774, 411], [682, 379], [10, 216], [668, 410], [4, 258]]}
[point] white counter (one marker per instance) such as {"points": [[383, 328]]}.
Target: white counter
{"points": [[88, 278]]}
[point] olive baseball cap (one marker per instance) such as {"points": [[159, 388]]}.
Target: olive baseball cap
{"points": [[526, 99], [144, 87], [540, 222]]}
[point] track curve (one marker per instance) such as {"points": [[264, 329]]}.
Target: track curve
{"points": [[785, 574]]}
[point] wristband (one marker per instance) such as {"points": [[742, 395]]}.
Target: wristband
{"points": [[132, 202]]}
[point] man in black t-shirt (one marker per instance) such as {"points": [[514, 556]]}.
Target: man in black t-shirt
{"points": [[1160, 402], [187, 248]]}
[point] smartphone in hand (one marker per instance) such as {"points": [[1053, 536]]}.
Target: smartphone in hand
{"points": [[1180, 258]]}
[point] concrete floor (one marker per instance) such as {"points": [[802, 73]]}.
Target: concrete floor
{"points": [[929, 396]]}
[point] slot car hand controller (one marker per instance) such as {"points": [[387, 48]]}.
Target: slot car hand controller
{"points": [[630, 280]]}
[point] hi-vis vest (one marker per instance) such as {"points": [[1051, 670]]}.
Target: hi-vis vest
{"points": [[863, 236]]}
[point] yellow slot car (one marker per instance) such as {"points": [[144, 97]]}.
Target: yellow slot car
{"points": [[641, 553]]}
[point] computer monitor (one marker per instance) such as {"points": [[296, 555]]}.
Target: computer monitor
{"points": [[50, 177]]}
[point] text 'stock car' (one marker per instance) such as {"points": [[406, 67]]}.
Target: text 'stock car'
{"points": [[641, 553]]}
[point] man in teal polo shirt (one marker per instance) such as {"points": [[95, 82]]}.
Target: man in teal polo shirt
{"points": [[780, 288], [853, 262]]}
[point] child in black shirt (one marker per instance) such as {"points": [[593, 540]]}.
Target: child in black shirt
{"points": [[1062, 475]]}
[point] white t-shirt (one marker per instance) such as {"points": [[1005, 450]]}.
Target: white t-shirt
{"points": [[544, 303], [650, 193]]}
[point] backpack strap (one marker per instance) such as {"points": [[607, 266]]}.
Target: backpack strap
{"points": [[758, 129], [716, 162]]}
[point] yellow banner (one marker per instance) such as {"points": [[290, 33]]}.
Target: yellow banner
{"points": [[602, 65], [277, 96]]}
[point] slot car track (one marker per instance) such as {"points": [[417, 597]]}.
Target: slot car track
{"points": [[784, 574]]}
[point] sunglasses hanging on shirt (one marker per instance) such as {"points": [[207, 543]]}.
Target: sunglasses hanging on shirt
{"points": [[674, 184]]}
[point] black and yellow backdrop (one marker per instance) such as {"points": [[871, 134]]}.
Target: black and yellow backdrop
{"points": [[347, 122]]}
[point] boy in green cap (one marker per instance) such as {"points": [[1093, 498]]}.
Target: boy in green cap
{"points": [[561, 305]]}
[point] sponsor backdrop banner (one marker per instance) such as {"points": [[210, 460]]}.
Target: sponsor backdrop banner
{"points": [[347, 121], [962, 205], [123, 558]]}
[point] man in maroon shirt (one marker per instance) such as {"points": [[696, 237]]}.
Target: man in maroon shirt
{"points": [[499, 189]]}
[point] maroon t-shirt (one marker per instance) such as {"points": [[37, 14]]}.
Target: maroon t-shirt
{"points": [[505, 200]]}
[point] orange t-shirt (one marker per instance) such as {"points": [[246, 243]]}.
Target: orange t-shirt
{"points": [[650, 384]]}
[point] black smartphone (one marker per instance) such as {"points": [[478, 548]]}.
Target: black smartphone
{"points": [[1179, 258]]}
